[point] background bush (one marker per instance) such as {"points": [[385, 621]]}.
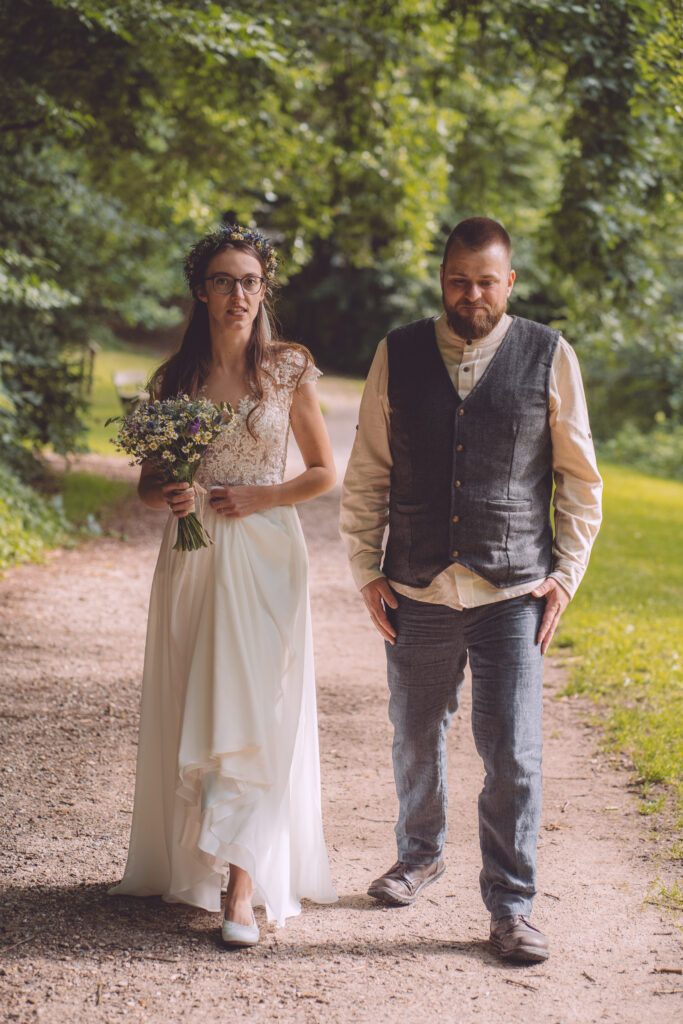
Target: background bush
{"points": [[659, 452], [29, 524]]}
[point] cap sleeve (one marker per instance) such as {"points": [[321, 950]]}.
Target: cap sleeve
{"points": [[296, 367], [310, 374]]}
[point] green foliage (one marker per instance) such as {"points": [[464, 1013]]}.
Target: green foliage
{"points": [[356, 134], [625, 625], [659, 452], [633, 366], [32, 522], [29, 524]]}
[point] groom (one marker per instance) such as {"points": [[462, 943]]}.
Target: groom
{"points": [[466, 422]]}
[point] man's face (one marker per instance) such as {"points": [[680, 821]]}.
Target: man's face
{"points": [[475, 285]]}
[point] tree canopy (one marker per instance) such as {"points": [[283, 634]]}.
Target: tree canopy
{"points": [[356, 134]]}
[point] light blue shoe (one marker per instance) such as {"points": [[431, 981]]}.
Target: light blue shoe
{"points": [[234, 934]]}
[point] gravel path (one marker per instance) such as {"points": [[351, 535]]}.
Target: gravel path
{"points": [[71, 641]]}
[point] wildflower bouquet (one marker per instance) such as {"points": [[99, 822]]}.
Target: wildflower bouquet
{"points": [[172, 435]]}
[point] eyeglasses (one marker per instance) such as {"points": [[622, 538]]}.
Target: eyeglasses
{"points": [[225, 283]]}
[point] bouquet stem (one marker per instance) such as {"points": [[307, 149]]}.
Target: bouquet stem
{"points": [[191, 534]]}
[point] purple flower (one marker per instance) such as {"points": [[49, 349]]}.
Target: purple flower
{"points": [[194, 427]]}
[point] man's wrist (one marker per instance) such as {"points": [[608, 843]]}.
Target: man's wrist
{"points": [[564, 583], [363, 574], [380, 576]]}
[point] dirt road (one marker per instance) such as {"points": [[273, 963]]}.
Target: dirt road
{"points": [[71, 643]]}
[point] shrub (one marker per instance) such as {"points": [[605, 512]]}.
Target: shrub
{"points": [[29, 523], [658, 451]]}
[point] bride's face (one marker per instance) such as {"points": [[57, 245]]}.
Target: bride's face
{"points": [[233, 289]]}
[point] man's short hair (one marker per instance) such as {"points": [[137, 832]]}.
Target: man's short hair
{"points": [[476, 233]]}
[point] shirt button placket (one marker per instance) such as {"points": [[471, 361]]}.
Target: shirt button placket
{"points": [[457, 483]]}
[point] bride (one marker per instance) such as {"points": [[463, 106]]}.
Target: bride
{"points": [[228, 776]]}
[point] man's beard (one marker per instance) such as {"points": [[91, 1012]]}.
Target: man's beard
{"points": [[474, 323]]}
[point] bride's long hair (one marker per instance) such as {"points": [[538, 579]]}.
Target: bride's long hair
{"points": [[186, 371]]}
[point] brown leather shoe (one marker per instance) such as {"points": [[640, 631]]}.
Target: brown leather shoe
{"points": [[515, 938], [403, 883]]}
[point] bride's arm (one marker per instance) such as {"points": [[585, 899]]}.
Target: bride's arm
{"points": [[310, 433]]}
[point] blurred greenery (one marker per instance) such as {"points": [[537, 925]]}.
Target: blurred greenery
{"points": [[104, 401], [88, 496], [29, 524], [69, 504], [659, 452], [356, 134]]}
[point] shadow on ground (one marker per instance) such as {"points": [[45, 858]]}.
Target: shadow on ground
{"points": [[83, 922]]}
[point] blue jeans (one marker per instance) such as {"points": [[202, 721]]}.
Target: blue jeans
{"points": [[425, 671]]}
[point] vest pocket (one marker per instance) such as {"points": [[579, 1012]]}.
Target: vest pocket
{"points": [[411, 508], [508, 504]]}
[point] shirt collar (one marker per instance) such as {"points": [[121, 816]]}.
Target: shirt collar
{"points": [[447, 336]]}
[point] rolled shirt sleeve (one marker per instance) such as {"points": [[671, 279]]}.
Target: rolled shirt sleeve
{"points": [[365, 491], [577, 499]]}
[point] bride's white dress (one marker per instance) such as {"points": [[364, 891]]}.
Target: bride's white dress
{"points": [[228, 766]]}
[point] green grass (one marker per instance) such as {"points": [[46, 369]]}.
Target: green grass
{"points": [[91, 495], [624, 629], [104, 400], [670, 897]]}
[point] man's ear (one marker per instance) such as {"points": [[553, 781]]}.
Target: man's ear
{"points": [[511, 281]]}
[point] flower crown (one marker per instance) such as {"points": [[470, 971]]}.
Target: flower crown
{"points": [[199, 255]]}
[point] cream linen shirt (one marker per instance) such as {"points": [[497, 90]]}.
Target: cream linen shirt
{"points": [[578, 486]]}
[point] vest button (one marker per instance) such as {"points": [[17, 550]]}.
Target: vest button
{"points": [[458, 483], [455, 553], [461, 412], [460, 447], [456, 519]]}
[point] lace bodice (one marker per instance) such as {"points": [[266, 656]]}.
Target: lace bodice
{"points": [[237, 457]]}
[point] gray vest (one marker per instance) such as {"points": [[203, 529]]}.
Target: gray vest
{"points": [[471, 479]]}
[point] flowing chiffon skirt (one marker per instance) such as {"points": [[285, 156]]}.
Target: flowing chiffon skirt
{"points": [[228, 765]]}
